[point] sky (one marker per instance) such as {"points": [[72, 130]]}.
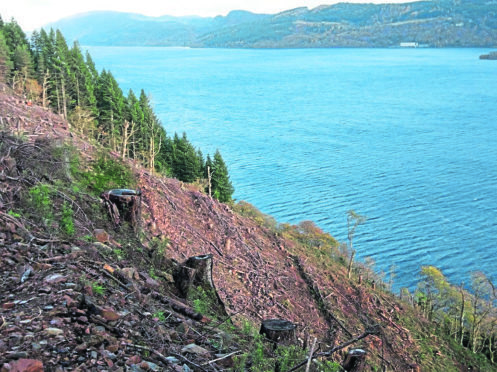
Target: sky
{"points": [[32, 14]]}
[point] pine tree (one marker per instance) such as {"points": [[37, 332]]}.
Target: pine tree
{"points": [[222, 189], [5, 61], [186, 165], [111, 104]]}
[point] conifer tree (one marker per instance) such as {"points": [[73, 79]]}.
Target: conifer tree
{"points": [[5, 61], [187, 165], [111, 109], [222, 189]]}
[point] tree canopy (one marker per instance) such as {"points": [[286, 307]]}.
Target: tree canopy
{"points": [[47, 71]]}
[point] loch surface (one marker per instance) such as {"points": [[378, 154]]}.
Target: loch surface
{"points": [[407, 137]]}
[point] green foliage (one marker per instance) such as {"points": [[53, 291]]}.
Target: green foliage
{"points": [[118, 253], [248, 210], [105, 173], [186, 162], [222, 189], [14, 214], [152, 273], [41, 200], [202, 300], [97, 288], [160, 316], [67, 220]]}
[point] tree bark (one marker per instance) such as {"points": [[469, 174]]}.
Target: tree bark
{"points": [[195, 271], [279, 331], [355, 360]]}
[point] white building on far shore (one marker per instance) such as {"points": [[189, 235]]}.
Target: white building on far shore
{"points": [[409, 44]]}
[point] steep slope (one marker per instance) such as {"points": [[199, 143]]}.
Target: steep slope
{"points": [[96, 298], [438, 23]]}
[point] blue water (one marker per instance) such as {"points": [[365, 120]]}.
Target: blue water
{"points": [[407, 137]]}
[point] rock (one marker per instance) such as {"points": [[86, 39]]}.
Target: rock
{"points": [[135, 359], [54, 331], [93, 354], [194, 349], [26, 365], [45, 290], [26, 274], [109, 315], [101, 235], [55, 278], [130, 273], [152, 283], [68, 301], [149, 366], [109, 355], [112, 348], [102, 247], [172, 360], [8, 305]]}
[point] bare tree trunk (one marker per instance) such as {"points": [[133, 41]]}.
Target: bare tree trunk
{"points": [[461, 316], [209, 179], [349, 269], [45, 88], [58, 100], [64, 101], [126, 137]]}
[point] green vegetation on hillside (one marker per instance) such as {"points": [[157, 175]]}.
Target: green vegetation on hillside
{"points": [[46, 71], [439, 23], [56, 202]]}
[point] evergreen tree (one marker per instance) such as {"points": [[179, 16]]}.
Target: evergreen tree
{"points": [[14, 35], [91, 69], [22, 67], [186, 163], [81, 78], [45, 68], [61, 74], [110, 102], [5, 61], [222, 189]]}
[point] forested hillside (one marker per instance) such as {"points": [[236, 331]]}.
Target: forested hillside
{"points": [[46, 71], [440, 23]]}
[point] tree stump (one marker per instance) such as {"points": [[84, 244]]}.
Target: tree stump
{"points": [[279, 331], [197, 272], [355, 360], [123, 204]]}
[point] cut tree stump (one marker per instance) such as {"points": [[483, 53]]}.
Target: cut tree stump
{"points": [[123, 204], [279, 331], [197, 272], [355, 360]]}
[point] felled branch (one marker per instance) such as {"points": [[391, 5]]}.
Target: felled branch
{"points": [[370, 331]]}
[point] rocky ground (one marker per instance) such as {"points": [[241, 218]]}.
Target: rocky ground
{"points": [[106, 299]]}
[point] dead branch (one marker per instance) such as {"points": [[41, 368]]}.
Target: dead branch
{"points": [[189, 361], [161, 357], [310, 355], [375, 330], [31, 237], [62, 257], [180, 308], [221, 358]]}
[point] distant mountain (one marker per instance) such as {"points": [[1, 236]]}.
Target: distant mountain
{"points": [[439, 23]]}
